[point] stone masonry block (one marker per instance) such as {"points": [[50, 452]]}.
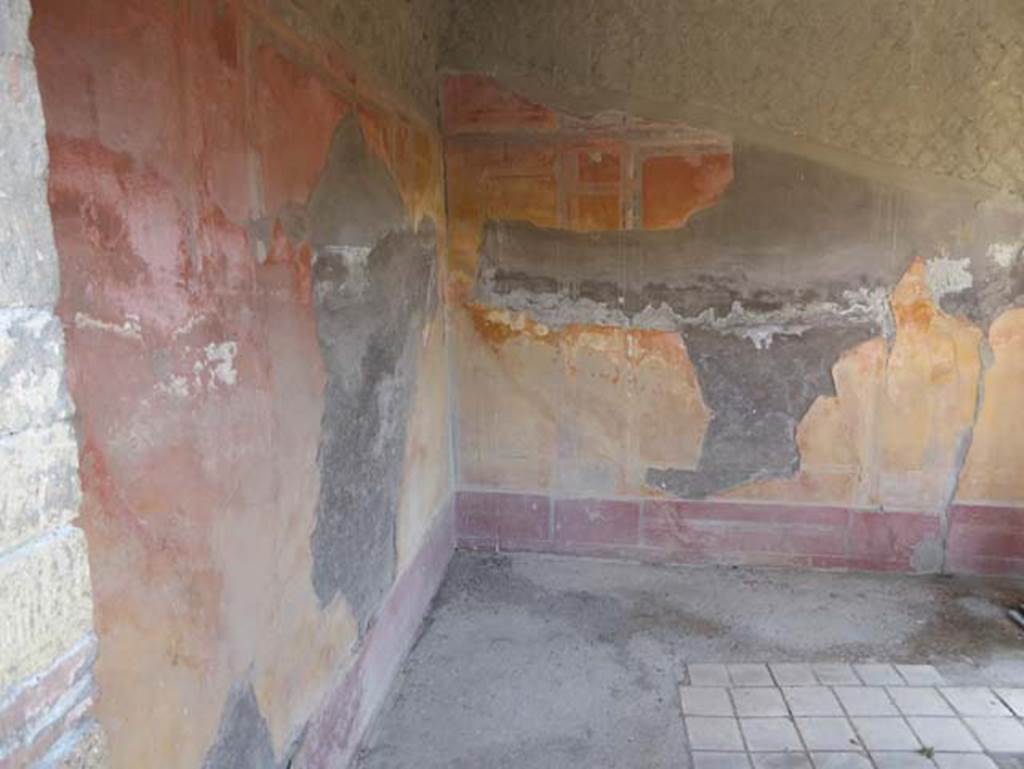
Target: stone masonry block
{"points": [[38, 483], [28, 260], [45, 601], [14, 18], [83, 748], [28, 257], [23, 153], [31, 370], [47, 708]]}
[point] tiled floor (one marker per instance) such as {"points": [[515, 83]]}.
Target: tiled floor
{"points": [[840, 716]]}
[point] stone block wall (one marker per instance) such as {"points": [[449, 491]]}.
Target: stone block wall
{"points": [[47, 645]]}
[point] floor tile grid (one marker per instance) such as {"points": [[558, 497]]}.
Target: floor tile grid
{"points": [[747, 751], [974, 722], [921, 674], [956, 713], [1000, 715], [879, 759], [823, 757], [827, 675], [805, 674], [818, 759]]}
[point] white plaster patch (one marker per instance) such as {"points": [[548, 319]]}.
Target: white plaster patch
{"points": [[212, 367], [1005, 254], [129, 329], [947, 276], [221, 360]]}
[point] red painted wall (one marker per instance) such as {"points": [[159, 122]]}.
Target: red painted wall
{"points": [[180, 136]]}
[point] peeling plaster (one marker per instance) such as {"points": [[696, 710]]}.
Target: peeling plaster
{"points": [[858, 306]]}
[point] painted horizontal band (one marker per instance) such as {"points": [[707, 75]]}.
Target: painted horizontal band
{"points": [[982, 540]]}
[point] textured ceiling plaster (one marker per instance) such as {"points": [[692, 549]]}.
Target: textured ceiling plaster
{"points": [[933, 85]]}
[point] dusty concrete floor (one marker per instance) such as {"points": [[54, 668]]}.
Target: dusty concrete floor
{"points": [[544, 661]]}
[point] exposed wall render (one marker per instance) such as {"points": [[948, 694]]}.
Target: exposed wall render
{"points": [[373, 283], [757, 397], [831, 320], [215, 167]]}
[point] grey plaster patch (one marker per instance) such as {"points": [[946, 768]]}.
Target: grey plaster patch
{"points": [[373, 283], [356, 202], [243, 739], [757, 398]]}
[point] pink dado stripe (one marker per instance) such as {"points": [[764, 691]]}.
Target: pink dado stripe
{"points": [[986, 540], [980, 540]]}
